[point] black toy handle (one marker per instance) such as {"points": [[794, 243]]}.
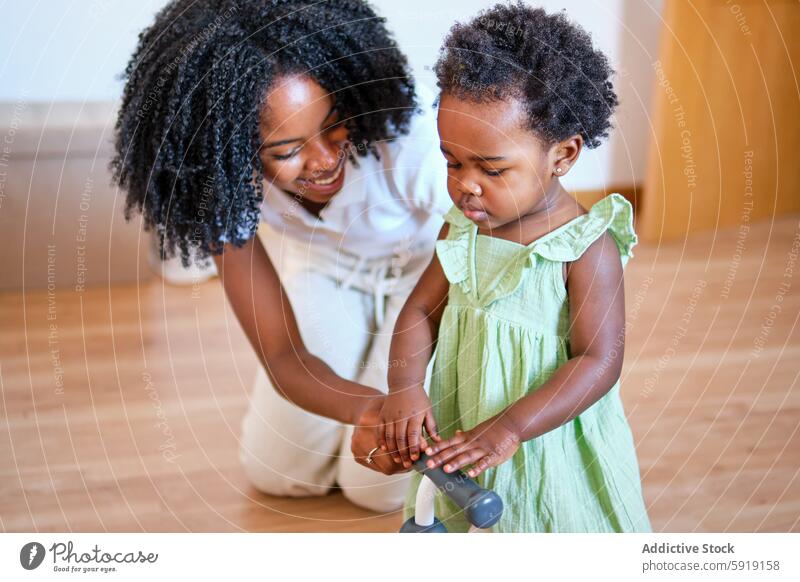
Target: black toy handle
{"points": [[482, 507]]}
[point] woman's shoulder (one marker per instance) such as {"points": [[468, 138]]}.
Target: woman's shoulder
{"points": [[412, 163], [421, 132]]}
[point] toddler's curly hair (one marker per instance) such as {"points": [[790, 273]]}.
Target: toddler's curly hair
{"points": [[544, 60]]}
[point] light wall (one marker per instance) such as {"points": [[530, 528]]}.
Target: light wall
{"points": [[60, 50]]}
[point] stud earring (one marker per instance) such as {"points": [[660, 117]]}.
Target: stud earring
{"points": [[559, 170]]}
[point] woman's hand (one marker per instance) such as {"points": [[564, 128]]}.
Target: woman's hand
{"points": [[366, 434], [403, 416], [489, 444]]}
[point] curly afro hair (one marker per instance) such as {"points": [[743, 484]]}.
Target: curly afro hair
{"points": [[544, 60], [187, 134]]}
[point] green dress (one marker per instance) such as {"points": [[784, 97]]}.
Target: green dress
{"points": [[504, 332]]}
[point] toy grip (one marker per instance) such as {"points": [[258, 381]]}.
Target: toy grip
{"points": [[482, 507]]}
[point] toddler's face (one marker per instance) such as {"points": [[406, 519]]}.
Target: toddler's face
{"points": [[498, 170]]}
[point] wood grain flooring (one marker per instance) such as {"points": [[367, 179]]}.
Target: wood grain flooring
{"points": [[120, 407]]}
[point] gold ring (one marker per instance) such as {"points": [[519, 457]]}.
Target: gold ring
{"points": [[370, 460]]}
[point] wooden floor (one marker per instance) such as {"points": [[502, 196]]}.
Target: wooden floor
{"points": [[140, 431]]}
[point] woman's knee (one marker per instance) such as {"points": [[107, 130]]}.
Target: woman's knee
{"points": [[376, 499], [282, 481], [370, 489]]}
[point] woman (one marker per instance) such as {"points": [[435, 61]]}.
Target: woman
{"points": [[300, 114]]}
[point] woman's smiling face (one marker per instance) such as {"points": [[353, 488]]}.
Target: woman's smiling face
{"points": [[304, 145], [498, 170]]}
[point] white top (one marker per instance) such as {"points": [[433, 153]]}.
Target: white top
{"points": [[385, 206]]}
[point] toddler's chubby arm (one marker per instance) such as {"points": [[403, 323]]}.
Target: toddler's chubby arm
{"points": [[597, 342], [407, 408]]}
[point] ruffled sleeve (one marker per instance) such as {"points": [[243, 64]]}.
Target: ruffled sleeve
{"points": [[568, 242], [454, 217], [454, 251]]}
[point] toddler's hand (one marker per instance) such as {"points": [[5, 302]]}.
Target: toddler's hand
{"points": [[489, 444], [403, 416]]}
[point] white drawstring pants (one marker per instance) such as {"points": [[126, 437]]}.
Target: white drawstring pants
{"points": [[346, 308]]}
